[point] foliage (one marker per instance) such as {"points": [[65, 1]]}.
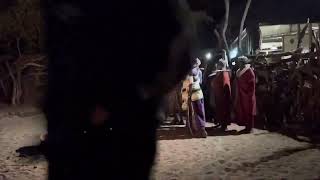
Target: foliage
{"points": [[20, 48], [20, 26]]}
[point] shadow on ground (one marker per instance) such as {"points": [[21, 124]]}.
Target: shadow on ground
{"points": [[182, 132], [32, 151], [275, 156], [173, 133]]}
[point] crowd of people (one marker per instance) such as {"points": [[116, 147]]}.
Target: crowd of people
{"points": [[218, 95], [288, 92]]}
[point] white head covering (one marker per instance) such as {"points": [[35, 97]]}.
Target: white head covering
{"points": [[224, 63], [243, 59], [197, 63]]}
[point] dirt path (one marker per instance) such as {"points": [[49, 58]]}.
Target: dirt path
{"points": [[261, 155]]}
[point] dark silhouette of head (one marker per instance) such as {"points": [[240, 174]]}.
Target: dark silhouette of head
{"points": [[120, 56]]}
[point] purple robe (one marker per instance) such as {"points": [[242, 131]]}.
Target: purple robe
{"points": [[198, 104]]}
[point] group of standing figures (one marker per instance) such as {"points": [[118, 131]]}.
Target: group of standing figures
{"points": [[218, 96], [288, 94]]}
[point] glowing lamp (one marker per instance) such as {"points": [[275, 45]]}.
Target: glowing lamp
{"points": [[208, 56]]}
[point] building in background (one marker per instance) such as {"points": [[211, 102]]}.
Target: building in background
{"points": [[275, 39], [284, 38]]}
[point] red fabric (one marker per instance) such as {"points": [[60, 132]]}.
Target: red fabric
{"points": [[245, 98], [222, 93], [99, 116]]}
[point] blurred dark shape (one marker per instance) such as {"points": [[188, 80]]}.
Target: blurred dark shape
{"points": [[108, 53], [31, 150], [5, 4]]}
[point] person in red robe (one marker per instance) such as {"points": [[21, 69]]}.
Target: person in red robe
{"points": [[222, 94], [245, 100]]}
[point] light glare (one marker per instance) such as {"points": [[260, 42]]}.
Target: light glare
{"points": [[233, 53], [208, 56]]}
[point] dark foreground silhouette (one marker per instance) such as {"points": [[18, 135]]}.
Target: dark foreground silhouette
{"points": [[113, 55]]}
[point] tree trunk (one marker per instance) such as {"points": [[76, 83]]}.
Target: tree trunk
{"points": [[253, 31], [301, 35], [219, 38], [3, 88], [316, 40], [14, 84], [18, 46], [18, 87], [225, 25], [242, 23]]}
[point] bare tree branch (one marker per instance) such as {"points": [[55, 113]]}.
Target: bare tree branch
{"points": [[302, 34], [310, 33], [14, 84], [298, 34], [242, 23], [225, 25], [3, 88], [315, 39], [219, 38], [18, 46]]}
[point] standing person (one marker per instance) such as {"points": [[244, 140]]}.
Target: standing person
{"points": [[245, 100], [185, 99], [191, 91], [177, 108], [222, 94], [209, 104], [198, 101], [174, 105], [185, 92], [211, 99]]}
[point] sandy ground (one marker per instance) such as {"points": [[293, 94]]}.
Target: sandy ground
{"points": [[261, 155], [20, 127]]}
